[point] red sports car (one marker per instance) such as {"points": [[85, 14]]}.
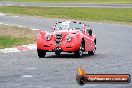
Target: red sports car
{"points": [[68, 36]]}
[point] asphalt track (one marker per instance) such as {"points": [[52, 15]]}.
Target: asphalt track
{"points": [[26, 70], [42, 4]]}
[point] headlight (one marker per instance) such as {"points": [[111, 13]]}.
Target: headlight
{"points": [[47, 37], [68, 38]]}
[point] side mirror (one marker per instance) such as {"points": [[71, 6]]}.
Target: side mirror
{"points": [[90, 32]]}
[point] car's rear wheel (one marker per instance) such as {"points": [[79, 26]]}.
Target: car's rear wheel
{"points": [[57, 53], [41, 53], [79, 53], [93, 52]]}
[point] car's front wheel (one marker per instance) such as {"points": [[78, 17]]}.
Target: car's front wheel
{"points": [[79, 53], [41, 53]]}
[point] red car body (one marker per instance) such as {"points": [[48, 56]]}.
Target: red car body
{"points": [[68, 36]]}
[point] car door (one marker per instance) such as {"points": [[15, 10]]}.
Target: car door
{"points": [[88, 40]]}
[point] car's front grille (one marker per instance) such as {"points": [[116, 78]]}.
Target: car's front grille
{"points": [[58, 39]]}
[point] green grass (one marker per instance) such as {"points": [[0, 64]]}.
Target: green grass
{"points": [[9, 41], [88, 1], [88, 14], [11, 36]]}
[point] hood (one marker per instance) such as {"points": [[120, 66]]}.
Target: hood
{"points": [[61, 35], [65, 32]]}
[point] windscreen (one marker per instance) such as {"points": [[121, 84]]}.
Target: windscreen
{"points": [[68, 25]]}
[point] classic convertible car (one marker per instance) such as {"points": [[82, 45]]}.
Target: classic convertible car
{"points": [[68, 36]]}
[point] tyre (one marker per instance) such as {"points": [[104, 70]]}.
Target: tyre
{"points": [[41, 53], [93, 52], [57, 53], [79, 53]]}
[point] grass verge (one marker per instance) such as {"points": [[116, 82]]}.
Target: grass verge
{"points": [[88, 14], [11, 36], [9, 41], [88, 1]]}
